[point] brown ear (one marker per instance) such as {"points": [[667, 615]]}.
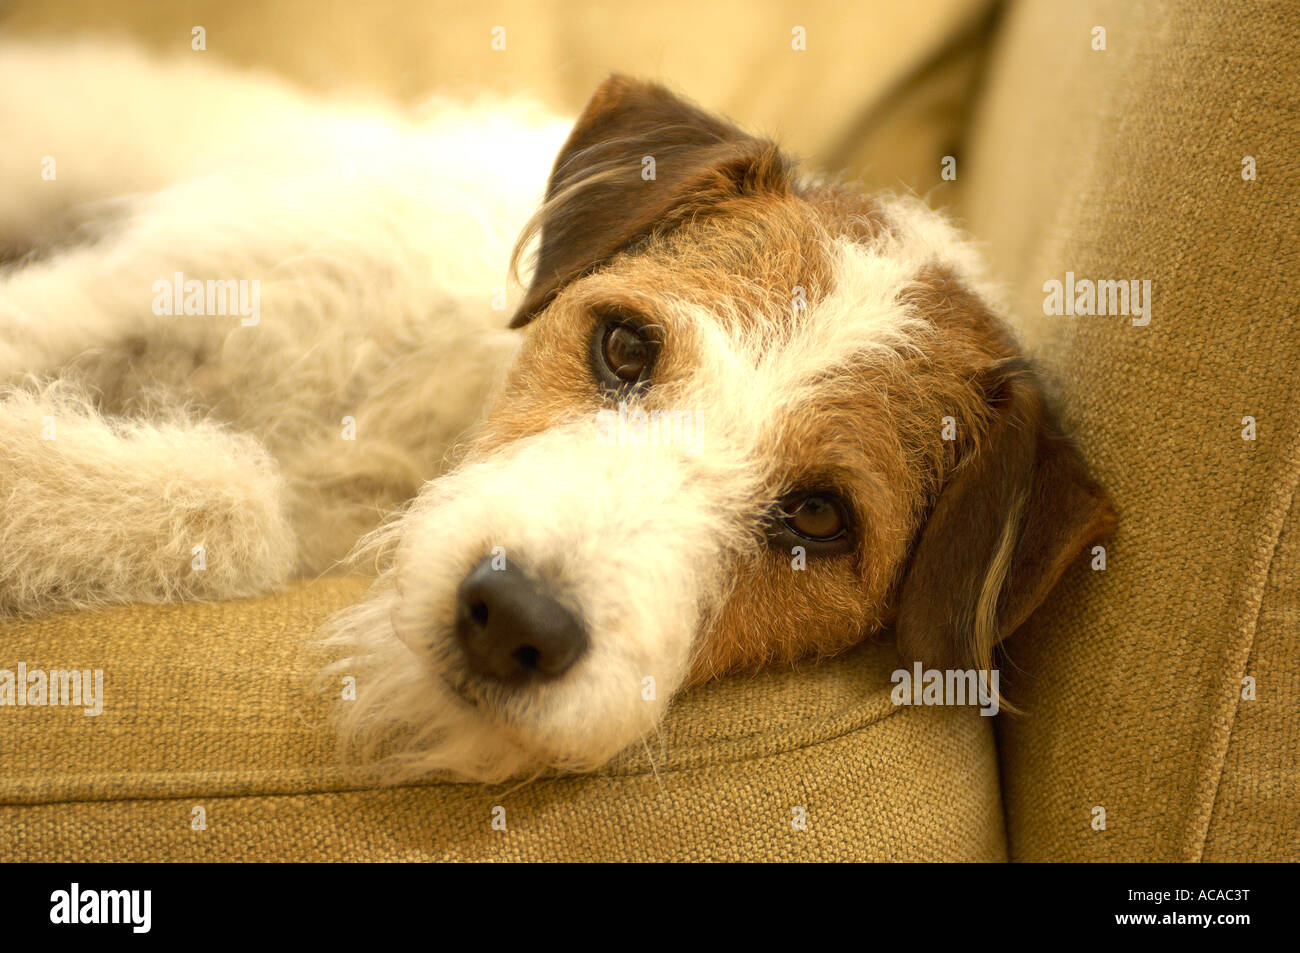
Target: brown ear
{"points": [[1013, 517], [598, 201]]}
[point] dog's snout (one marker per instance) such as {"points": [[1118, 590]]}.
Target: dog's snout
{"points": [[512, 628]]}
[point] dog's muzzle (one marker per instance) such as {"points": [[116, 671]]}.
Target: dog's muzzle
{"points": [[512, 629]]}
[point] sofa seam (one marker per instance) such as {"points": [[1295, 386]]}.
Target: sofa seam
{"points": [[344, 789], [1219, 757]]}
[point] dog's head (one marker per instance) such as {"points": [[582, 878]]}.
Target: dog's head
{"points": [[754, 418]]}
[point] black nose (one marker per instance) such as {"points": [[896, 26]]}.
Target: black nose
{"points": [[511, 627]]}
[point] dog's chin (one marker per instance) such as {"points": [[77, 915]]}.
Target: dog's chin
{"points": [[416, 715]]}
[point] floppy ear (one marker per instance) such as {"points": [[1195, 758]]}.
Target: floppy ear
{"points": [[603, 196], [1013, 517]]}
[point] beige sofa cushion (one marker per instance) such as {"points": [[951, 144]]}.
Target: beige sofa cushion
{"points": [[216, 706], [1123, 164], [879, 90]]}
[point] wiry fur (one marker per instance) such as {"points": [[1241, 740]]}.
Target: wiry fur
{"points": [[818, 337], [113, 508]]}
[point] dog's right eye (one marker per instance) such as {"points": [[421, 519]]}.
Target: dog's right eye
{"points": [[625, 351]]}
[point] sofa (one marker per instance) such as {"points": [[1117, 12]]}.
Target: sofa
{"points": [[1158, 688]]}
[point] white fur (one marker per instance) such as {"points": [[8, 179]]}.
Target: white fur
{"points": [[380, 242], [126, 509]]}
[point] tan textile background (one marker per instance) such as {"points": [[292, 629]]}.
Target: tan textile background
{"points": [[1127, 164], [1257, 804]]}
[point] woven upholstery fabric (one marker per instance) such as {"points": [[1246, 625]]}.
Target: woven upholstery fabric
{"points": [[1257, 805], [219, 706], [1127, 164]]}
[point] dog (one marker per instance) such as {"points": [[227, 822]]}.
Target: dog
{"points": [[740, 415]]}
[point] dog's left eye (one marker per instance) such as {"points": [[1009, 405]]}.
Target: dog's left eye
{"points": [[818, 521], [625, 352], [818, 517]]}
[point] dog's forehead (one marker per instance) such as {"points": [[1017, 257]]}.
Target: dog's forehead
{"points": [[831, 330], [749, 262], [811, 326], [824, 282]]}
